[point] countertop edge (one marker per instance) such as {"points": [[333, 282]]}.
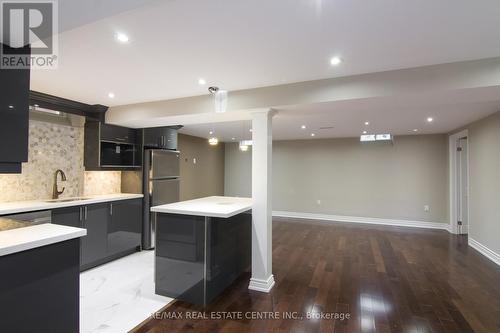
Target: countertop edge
{"points": [[200, 213], [41, 205], [71, 233]]}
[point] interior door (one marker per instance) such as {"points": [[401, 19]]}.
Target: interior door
{"points": [[462, 186]]}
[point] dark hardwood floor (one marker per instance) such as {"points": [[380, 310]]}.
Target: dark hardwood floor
{"points": [[389, 279]]}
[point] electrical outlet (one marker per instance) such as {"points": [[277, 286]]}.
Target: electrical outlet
{"points": [[427, 208]]}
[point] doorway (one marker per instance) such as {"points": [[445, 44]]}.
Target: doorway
{"points": [[459, 183]]}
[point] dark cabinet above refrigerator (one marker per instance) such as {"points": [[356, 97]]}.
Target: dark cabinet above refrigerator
{"points": [[161, 137], [110, 147]]}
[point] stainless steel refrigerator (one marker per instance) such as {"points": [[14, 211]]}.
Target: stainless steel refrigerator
{"points": [[161, 186]]}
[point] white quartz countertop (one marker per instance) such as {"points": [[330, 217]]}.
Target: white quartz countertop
{"points": [[210, 206], [22, 239], [30, 206]]}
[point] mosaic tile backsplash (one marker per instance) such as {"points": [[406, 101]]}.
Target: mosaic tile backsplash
{"points": [[52, 147]]}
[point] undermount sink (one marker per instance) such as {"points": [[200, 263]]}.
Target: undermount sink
{"points": [[66, 199]]}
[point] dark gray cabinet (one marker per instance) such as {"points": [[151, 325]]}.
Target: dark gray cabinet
{"points": [[14, 115], [114, 229], [160, 137], [40, 289], [94, 245], [125, 226]]}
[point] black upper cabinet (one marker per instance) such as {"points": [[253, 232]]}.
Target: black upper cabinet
{"points": [[14, 118], [161, 137], [109, 147]]}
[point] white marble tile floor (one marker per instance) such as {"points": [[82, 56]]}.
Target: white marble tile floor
{"points": [[118, 296]]}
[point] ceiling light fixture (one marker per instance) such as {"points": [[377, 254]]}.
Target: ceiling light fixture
{"points": [[220, 98], [202, 81], [365, 132], [211, 132], [415, 130], [250, 130], [312, 134], [233, 139], [335, 61], [430, 119], [111, 95], [367, 123], [303, 126], [122, 38], [213, 141]]}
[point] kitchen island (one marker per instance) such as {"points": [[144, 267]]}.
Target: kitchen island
{"points": [[201, 246], [39, 277]]}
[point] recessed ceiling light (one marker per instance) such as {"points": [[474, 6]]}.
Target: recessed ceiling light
{"points": [[233, 139], [122, 38], [202, 81], [312, 134], [430, 120], [111, 95], [335, 61], [11, 106], [364, 132], [303, 126], [367, 123], [211, 132], [415, 130], [250, 130]]}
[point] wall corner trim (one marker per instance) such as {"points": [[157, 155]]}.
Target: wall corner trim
{"points": [[366, 220], [264, 286], [485, 251]]}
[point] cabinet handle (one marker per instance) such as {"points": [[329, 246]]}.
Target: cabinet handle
{"points": [[111, 209], [85, 213]]}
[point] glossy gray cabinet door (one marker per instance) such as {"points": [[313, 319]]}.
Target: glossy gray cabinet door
{"points": [[125, 226], [94, 245], [70, 216], [14, 96]]}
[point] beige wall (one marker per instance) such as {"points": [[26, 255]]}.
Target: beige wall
{"points": [[206, 176], [353, 179], [484, 154], [238, 171]]}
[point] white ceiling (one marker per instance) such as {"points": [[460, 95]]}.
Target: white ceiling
{"points": [[395, 115], [238, 44]]}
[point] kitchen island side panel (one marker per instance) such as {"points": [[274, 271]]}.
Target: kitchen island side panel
{"points": [[198, 257], [40, 289]]}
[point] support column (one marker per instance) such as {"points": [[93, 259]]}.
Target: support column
{"points": [[262, 245]]}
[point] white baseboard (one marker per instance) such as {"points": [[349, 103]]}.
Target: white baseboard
{"points": [[488, 253], [367, 220], [264, 286]]}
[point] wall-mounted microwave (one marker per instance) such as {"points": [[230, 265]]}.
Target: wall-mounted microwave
{"points": [[110, 147]]}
